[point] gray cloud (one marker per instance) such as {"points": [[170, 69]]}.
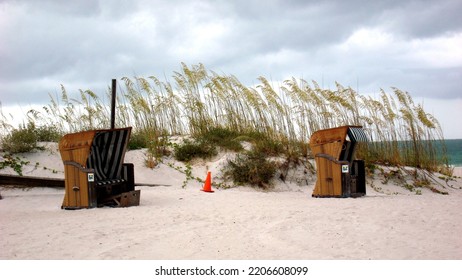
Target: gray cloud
{"points": [[366, 44], [417, 19]]}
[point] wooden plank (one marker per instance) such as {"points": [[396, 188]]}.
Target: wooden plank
{"points": [[151, 185], [14, 180], [76, 146], [337, 179], [330, 135]]}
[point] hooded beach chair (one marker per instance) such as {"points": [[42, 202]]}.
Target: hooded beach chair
{"points": [[338, 173], [94, 172]]}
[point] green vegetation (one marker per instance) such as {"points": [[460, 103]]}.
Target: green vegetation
{"points": [[205, 144], [216, 110], [25, 138], [15, 163], [252, 168], [20, 140], [189, 150], [222, 137]]}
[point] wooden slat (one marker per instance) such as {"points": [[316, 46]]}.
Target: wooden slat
{"points": [[76, 146], [13, 180]]}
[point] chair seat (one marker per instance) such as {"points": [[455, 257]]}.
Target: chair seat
{"points": [[110, 182]]}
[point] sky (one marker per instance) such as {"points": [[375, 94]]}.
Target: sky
{"points": [[415, 46]]}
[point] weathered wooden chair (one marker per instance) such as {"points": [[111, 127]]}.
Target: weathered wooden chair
{"points": [[338, 174], [94, 172]]}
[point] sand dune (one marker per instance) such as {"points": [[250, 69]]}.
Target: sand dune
{"points": [[173, 222]]}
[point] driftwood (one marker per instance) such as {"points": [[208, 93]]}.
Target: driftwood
{"points": [[13, 180], [28, 181]]}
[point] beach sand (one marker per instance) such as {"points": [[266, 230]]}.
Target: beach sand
{"points": [[173, 222], [457, 172]]}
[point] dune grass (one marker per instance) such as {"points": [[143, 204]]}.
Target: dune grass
{"points": [[197, 101]]}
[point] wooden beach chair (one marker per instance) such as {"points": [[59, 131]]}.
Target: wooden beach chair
{"points": [[338, 173], [94, 172]]}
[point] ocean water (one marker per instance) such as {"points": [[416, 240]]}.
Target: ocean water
{"points": [[454, 150]]}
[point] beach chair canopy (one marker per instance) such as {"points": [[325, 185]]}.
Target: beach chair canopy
{"points": [[356, 134], [339, 142]]}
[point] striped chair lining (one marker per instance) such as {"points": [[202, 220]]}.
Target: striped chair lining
{"points": [[107, 154], [357, 134]]}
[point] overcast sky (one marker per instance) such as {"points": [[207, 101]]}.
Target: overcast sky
{"points": [[368, 45]]}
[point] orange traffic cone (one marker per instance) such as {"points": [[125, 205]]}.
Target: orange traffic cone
{"points": [[208, 183]]}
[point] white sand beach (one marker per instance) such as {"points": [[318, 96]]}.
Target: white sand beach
{"points": [[173, 222]]}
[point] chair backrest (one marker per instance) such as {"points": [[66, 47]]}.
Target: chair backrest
{"points": [[338, 142], [75, 147], [107, 153]]}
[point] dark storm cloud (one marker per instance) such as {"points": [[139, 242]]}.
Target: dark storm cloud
{"points": [[83, 44], [47, 43], [303, 24], [420, 19]]}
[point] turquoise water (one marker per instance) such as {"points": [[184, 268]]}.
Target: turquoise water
{"points": [[454, 149]]}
